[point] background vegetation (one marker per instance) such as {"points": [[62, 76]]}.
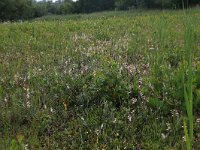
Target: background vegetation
{"points": [[26, 9]]}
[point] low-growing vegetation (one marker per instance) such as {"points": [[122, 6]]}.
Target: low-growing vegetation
{"points": [[116, 80]]}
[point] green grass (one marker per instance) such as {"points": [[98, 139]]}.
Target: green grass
{"points": [[112, 80], [188, 86]]}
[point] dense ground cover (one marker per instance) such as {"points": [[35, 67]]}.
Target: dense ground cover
{"points": [[104, 81]]}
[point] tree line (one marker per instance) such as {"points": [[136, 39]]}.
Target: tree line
{"points": [[26, 9]]}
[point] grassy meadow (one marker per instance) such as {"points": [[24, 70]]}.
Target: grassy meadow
{"points": [[112, 80]]}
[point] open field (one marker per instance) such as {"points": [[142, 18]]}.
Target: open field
{"points": [[99, 81]]}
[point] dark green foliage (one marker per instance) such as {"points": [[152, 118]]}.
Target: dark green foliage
{"points": [[86, 6], [15, 9], [27, 9]]}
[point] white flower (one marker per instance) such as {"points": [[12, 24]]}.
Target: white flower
{"points": [[97, 131], [5, 99], [163, 136], [151, 48], [28, 94], [51, 109], [133, 100], [101, 126], [115, 120], [82, 118], [26, 147], [28, 104], [184, 139], [174, 112], [129, 118], [168, 127]]}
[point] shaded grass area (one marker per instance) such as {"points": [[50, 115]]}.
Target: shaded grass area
{"points": [[95, 82], [96, 15], [108, 14]]}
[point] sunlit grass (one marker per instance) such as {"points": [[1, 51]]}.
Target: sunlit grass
{"points": [[188, 85]]}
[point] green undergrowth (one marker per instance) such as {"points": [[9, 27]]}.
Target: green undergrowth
{"points": [[113, 82]]}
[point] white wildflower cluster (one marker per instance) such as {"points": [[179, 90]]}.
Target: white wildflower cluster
{"points": [[52, 110], [140, 84], [115, 120], [133, 100], [98, 130], [6, 99], [164, 136], [168, 130], [131, 115], [144, 69], [129, 118], [184, 139], [27, 95], [132, 69], [26, 147], [175, 113], [49, 108], [168, 127]]}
